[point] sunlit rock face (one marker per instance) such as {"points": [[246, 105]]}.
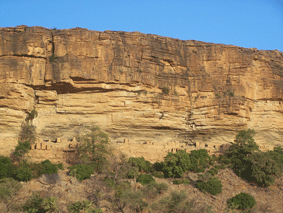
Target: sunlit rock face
{"points": [[120, 81]]}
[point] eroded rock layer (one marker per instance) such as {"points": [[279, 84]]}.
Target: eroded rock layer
{"points": [[120, 81]]}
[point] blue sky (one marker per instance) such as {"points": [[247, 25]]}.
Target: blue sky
{"points": [[244, 23]]}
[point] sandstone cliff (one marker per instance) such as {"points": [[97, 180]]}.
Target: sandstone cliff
{"points": [[118, 80]]}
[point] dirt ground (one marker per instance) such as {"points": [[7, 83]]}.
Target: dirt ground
{"points": [[69, 189]]}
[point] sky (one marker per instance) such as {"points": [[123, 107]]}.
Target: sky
{"points": [[245, 23]]}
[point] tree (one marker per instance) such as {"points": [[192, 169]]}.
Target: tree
{"points": [[176, 164], [199, 160], [92, 148], [239, 151], [264, 169], [243, 145]]}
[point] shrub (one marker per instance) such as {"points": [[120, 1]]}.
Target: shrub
{"points": [[141, 164], [27, 133], [81, 171], [158, 166], [21, 149], [134, 200], [175, 202], [222, 166], [224, 159], [132, 172], [176, 164], [52, 58], [212, 186], [177, 182], [165, 90], [5, 167], [60, 166], [199, 160], [8, 191], [34, 204], [152, 190], [37, 204], [213, 171], [242, 201], [31, 115], [23, 173], [84, 206], [158, 174], [145, 179], [48, 168], [184, 181], [8, 188]]}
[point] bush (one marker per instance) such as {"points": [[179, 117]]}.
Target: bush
{"points": [[81, 171], [134, 200], [199, 160], [27, 133], [158, 174], [31, 115], [242, 201], [212, 186], [8, 188], [145, 179], [152, 190], [48, 168], [165, 90], [213, 171], [177, 182], [60, 166], [84, 206], [5, 167], [52, 58], [23, 173], [37, 204], [21, 149], [34, 204], [224, 159], [176, 164], [141, 164]]}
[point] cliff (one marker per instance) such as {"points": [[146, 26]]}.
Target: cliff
{"points": [[120, 81]]}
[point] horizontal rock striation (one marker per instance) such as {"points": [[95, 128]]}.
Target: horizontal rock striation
{"points": [[137, 86]]}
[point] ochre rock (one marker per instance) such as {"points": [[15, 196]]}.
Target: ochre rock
{"points": [[117, 80]]}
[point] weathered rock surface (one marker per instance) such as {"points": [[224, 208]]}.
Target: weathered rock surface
{"points": [[77, 77]]}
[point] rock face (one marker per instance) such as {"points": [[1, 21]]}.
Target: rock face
{"points": [[138, 87]]}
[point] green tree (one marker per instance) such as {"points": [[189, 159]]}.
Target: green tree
{"points": [[199, 160], [93, 148], [264, 168], [175, 164], [243, 145], [239, 151]]}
